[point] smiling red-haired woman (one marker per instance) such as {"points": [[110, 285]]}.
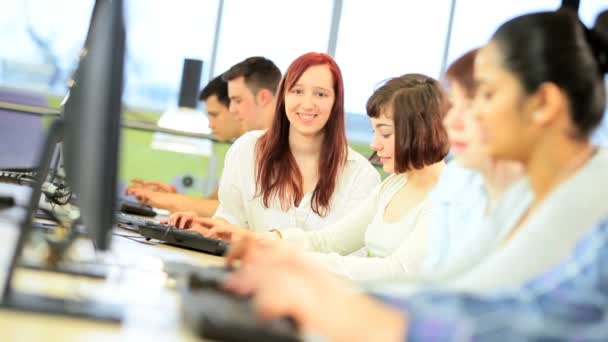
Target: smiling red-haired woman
{"points": [[277, 172], [300, 173]]}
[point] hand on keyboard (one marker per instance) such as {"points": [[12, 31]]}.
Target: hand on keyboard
{"points": [[157, 186], [219, 315], [181, 219], [222, 230], [213, 228], [186, 238]]}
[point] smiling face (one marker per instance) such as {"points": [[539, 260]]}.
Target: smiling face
{"points": [[309, 102], [384, 140], [463, 130]]}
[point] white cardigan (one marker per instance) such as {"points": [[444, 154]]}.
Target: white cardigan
{"points": [[240, 205], [394, 248]]}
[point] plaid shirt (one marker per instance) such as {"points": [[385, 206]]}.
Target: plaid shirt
{"points": [[568, 303]]}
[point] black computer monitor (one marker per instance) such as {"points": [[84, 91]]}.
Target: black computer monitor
{"points": [[90, 128], [92, 116]]}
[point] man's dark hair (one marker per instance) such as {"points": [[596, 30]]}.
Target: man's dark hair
{"points": [[258, 72], [217, 87]]}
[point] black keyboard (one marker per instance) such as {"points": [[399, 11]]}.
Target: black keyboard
{"points": [[129, 207], [182, 238], [131, 221], [217, 315]]}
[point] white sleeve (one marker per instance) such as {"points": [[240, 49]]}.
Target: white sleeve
{"points": [[345, 236], [231, 207], [405, 262], [360, 198]]}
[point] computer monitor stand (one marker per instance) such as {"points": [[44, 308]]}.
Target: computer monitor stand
{"points": [[14, 299]]}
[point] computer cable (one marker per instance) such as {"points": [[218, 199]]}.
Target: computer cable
{"points": [[140, 239], [59, 194]]}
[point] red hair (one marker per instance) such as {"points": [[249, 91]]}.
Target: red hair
{"points": [[277, 174]]}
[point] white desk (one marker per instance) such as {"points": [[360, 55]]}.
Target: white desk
{"points": [[152, 305]]}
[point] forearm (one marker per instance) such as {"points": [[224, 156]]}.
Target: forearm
{"points": [[366, 269], [344, 236], [203, 207]]}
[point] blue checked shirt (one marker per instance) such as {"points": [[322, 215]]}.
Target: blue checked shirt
{"points": [[569, 303]]}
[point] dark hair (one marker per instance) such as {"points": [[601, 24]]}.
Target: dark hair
{"points": [[556, 47], [461, 72], [259, 73], [217, 87], [419, 105], [277, 173]]}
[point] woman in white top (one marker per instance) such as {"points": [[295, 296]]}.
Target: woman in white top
{"points": [[299, 173], [411, 143]]}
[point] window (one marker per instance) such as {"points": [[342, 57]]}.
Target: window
{"points": [[42, 40], [386, 39], [160, 34], [46, 37], [476, 20], [279, 30]]}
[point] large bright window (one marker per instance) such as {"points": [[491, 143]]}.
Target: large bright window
{"points": [[42, 39], [387, 38], [160, 35], [277, 29], [476, 20], [40, 42]]}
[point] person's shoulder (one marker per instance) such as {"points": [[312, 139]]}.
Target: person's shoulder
{"points": [[247, 141], [455, 182], [356, 158], [456, 176], [600, 159], [359, 164], [250, 137], [393, 181]]}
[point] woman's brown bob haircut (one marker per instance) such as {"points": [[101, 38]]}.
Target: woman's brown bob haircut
{"points": [[417, 105]]}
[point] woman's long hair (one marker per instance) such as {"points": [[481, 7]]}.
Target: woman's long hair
{"points": [[277, 173]]}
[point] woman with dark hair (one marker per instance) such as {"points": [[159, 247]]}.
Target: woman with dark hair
{"points": [[538, 101], [411, 142], [299, 173]]}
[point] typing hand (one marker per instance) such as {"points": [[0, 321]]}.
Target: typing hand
{"points": [[157, 186], [215, 228], [181, 219], [286, 283], [156, 199], [272, 271]]}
